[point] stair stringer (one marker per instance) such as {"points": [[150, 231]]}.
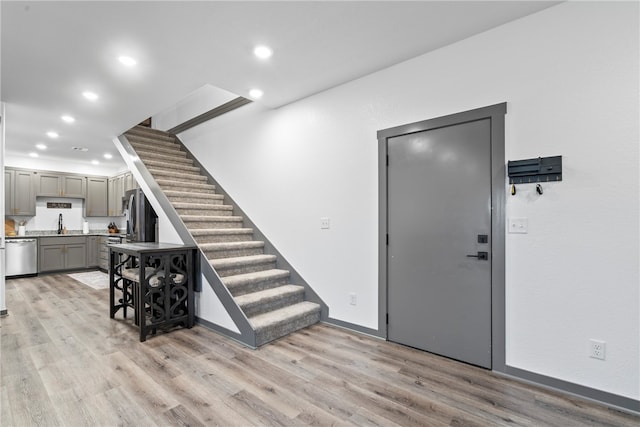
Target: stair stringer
{"points": [[247, 334], [269, 248]]}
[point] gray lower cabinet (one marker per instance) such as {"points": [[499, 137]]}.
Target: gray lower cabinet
{"points": [[103, 253], [62, 253], [93, 258]]}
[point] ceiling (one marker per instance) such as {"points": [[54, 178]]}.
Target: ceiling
{"points": [[53, 51]]}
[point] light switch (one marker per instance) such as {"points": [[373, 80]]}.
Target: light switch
{"points": [[324, 223], [519, 225]]}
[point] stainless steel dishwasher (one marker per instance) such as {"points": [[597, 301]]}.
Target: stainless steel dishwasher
{"points": [[21, 257]]}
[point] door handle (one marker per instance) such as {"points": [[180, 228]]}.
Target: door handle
{"points": [[481, 256]]}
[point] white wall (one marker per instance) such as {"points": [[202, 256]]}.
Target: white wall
{"points": [[570, 77]]}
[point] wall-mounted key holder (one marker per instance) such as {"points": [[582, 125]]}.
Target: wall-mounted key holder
{"points": [[542, 169]]}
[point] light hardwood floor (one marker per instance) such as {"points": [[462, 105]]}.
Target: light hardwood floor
{"points": [[65, 363]]}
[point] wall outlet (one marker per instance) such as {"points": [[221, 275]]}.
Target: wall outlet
{"points": [[324, 223], [353, 299], [597, 349]]}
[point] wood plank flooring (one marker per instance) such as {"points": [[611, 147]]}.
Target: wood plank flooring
{"points": [[65, 363]]}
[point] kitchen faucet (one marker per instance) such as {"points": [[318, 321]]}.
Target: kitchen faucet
{"points": [[60, 224]]}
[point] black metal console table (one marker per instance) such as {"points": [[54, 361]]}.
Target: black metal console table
{"points": [[156, 280]]}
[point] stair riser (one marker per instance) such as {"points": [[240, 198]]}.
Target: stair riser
{"points": [[188, 176], [269, 334], [232, 253], [272, 304], [150, 133], [146, 156], [189, 198], [176, 186], [207, 212], [184, 180], [242, 269], [160, 149], [167, 143], [198, 225], [171, 166], [223, 238]]}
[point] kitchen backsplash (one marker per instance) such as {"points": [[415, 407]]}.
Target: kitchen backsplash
{"points": [[72, 219]]}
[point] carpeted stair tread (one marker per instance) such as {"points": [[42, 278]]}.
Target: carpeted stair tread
{"points": [[149, 140], [171, 166], [241, 284], [195, 222], [218, 235], [221, 231], [190, 187], [205, 218], [258, 276], [205, 210], [144, 130], [176, 150], [180, 178], [201, 197], [187, 205], [241, 261], [232, 245], [232, 249], [278, 323], [151, 155], [178, 174], [271, 299]]}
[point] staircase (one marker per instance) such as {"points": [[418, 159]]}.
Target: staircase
{"points": [[273, 306]]}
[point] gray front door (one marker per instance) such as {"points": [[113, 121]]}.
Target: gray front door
{"points": [[439, 226]]}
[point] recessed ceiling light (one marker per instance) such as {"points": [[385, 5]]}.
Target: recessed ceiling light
{"points": [[52, 134], [263, 52], [256, 93], [41, 146], [68, 119], [33, 154], [90, 95], [107, 156], [95, 162], [80, 148], [127, 60]]}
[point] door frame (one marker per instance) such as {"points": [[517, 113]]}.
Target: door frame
{"points": [[495, 113]]}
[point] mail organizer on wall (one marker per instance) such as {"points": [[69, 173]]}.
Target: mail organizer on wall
{"points": [[542, 169]]}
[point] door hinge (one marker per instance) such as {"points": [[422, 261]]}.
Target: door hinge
{"points": [[387, 318], [387, 239], [387, 160]]}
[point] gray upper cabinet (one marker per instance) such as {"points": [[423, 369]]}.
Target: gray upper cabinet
{"points": [[96, 201], [19, 194], [116, 193], [49, 184], [93, 258], [74, 186], [56, 185]]}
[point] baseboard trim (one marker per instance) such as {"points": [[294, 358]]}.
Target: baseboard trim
{"points": [[621, 403], [222, 331], [354, 328]]}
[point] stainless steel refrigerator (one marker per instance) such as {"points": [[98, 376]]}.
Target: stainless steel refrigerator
{"points": [[141, 218]]}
